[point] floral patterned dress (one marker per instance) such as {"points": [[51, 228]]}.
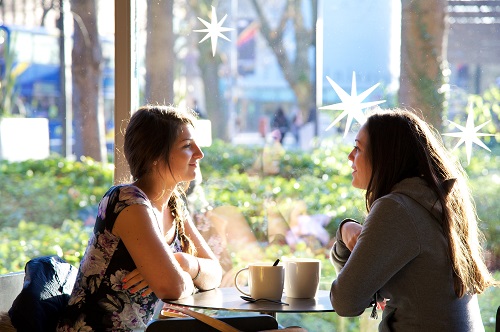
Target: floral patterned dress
{"points": [[98, 302]]}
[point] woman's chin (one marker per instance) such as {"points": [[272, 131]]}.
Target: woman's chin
{"points": [[355, 184]]}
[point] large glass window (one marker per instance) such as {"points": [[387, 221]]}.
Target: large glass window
{"points": [[268, 189], [286, 200]]}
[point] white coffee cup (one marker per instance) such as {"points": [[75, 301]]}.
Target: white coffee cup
{"points": [[302, 277], [264, 281]]}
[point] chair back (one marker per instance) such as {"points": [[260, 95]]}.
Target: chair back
{"points": [[10, 286], [247, 323]]}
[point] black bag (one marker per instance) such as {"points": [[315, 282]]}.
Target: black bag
{"points": [[48, 284]]}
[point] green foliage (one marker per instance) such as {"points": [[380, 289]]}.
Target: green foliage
{"points": [[44, 206], [486, 108], [320, 178], [485, 182], [30, 239], [483, 170], [51, 191], [488, 302]]}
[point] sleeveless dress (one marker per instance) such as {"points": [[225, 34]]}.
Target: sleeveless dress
{"points": [[98, 302]]}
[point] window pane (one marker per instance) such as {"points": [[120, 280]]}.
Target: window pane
{"points": [[40, 128], [256, 197]]}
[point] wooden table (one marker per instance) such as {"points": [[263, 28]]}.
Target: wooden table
{"points": [[228, 298]]}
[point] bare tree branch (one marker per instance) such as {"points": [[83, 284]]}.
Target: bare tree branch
{"points": [[296, 67]]}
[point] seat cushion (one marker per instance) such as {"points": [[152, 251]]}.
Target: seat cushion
{"points": [[10, 286]]}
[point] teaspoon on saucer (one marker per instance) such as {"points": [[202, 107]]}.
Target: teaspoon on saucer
{"points": [[252, 300]]}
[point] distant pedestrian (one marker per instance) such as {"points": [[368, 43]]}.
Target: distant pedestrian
{"points": [[281, 123]]}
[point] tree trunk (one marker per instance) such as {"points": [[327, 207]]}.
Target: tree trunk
{"points": [[423, 57], [159, 53], [86, 73]]}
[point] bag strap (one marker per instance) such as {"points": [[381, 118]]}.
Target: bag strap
{"points": [[213, 322]]}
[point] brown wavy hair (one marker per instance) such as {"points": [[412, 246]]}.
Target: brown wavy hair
{"points": [[150, 135], [402, 145]]}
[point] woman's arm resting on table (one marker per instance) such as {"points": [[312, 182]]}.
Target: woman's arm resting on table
{"points": [[383, 248], [154, 259], [196, 267]]}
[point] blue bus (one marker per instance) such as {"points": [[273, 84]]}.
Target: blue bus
{"points": [[30, 63]]}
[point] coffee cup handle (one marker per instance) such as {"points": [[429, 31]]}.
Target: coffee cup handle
{"points": [[236, 282]]}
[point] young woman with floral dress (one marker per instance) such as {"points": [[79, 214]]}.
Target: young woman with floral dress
{"points": [[144, 246]]}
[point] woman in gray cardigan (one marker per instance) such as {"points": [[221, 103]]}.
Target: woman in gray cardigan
{"points": [[418, 252]]}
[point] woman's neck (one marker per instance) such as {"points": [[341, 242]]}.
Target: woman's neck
{"points": [[157, 194]]}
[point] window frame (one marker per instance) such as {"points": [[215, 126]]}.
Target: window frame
{"points": [[125, 61]]}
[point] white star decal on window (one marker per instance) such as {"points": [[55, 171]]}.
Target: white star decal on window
{"points": [[214, 30], [469, 134], [352, 105]]}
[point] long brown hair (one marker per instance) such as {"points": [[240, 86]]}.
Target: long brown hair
{"points": [[401, 145], [150, 135]]}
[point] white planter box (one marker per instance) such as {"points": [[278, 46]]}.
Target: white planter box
{"points": [[203, 132], [24, 138]]}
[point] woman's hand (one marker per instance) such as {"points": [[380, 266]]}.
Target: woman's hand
{"points": [[350, 232], [134, 282]]}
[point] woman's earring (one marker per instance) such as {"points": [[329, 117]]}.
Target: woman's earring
{"points": [[155, 162]]}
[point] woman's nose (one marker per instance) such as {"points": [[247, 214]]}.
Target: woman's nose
{"points": [[199, 154], [350, 156]]}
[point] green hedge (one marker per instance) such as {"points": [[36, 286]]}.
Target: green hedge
{"points": [[51, 192]]}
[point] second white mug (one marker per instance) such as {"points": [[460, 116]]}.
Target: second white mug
{"points": [[302, 277]]}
